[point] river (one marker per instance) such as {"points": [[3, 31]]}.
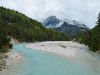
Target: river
{"points": [[42, 63]]}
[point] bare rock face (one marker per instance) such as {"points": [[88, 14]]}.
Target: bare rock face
{"points": [[64, 25], [14, 41]]}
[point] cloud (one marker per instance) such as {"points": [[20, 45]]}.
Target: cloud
{"points": [[85, 11]]}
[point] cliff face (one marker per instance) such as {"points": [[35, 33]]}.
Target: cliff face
{"points": [[65, 25]]}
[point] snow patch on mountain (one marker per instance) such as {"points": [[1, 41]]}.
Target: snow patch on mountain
{"points": [[54, 22]]}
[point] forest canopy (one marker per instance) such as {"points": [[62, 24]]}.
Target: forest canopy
{"points": [[23, 28]]}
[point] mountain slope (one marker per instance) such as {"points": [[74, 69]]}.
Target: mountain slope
{"points": [[91, 37], [65, 25], [23, 28]]}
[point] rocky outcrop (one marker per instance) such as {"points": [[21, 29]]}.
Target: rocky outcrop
{"points": [[64, 25]]}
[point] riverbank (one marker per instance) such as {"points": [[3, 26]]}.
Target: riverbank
{"points": [[11, 63], [98, 52], [10, 60], [79, 61], [65, 48], [77, 52]]}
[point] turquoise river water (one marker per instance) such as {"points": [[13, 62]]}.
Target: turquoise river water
{"points": [[42, 63]]}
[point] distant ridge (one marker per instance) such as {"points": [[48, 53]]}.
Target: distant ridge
{"points": [[64, 25], [23, 28]]}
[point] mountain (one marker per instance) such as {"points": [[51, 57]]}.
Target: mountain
{"points": [[64, 25], [17, 25]]}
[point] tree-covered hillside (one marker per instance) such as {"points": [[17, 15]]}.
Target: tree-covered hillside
{"points": [[91, 37], [23, 28]]}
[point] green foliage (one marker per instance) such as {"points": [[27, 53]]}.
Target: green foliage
{"points": [[84, 37], [95, 37], [23, 28], [4, 42], [91, 38]]}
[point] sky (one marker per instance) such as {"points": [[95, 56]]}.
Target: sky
{"points": [[84, 11]]}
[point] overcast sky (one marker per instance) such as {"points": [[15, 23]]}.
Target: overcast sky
{"points": [[84, 11]]}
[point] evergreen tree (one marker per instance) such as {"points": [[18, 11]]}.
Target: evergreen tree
{"points": [[23, 28]]}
